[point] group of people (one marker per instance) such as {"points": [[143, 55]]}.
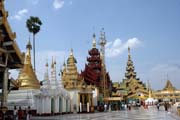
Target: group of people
{"points": [[19, 114], [166, 106]]}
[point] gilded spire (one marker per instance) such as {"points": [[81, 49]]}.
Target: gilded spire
{"points": [[150, 91], [27, 78], [71, 52], [94, 40], [28, 53], [129, 53]]}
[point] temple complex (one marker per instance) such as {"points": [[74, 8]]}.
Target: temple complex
{"points": [[80, 92], [132, 88], [168, 93]]}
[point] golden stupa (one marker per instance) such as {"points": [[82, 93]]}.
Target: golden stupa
{"points": [[70, 76], [27, 78]]}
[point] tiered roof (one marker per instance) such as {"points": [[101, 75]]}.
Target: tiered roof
{"points": [[133, 85], [70, 76], [92, 69], [169, 86]]}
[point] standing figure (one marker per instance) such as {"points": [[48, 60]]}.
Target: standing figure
{"points": [[20, 114], [158, 106], [105, 107], [28, 113], [15, 112], [166, 106]]}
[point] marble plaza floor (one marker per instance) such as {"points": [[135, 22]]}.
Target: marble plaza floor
{"points": [[140, 114]]}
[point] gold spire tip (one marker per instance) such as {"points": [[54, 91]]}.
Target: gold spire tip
{"points": [[71, 52], [29, 46], [128, 50]]}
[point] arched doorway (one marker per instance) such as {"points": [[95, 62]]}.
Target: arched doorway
{"points": [[52, 106], [66, 105], [60, 104], [84, 101]]}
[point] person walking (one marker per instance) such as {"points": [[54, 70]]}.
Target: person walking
{"points": [[15, 113], [20, 114], [166, 106], [28, 113], [158, 106], [105, 107]]}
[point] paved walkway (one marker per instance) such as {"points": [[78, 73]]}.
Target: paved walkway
{"points": [[140, 114]]}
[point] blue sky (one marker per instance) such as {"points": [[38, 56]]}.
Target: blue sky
{"points": [[151, 28]]}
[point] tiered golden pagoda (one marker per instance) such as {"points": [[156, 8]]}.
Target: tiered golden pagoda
{"points": [[168, 93], [27, 78], [70, 76], [135, 89], [80, 92]]}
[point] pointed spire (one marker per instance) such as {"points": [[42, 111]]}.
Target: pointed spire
{"points": [[64, 66], [94, 40], [52, 64], [129, 52], [55, 61], [102, 37], [46, 63], [53, 78], [29, 46], [71, 52], [46, 76], [150, 91], [28, 53]]}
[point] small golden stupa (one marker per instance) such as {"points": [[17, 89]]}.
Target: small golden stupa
{"points": [[27, 78]]}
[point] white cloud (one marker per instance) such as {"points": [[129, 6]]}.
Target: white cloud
{"points": [[57, 4], [70, 2], [116, 47], [20, 14]]}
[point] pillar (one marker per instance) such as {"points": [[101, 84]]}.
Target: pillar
{"points": [[78, 102], [4, 91], [92, 99], [89, 100], [82, 99]]}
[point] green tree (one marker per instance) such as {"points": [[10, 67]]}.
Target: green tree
{"points": [[33, 24]]}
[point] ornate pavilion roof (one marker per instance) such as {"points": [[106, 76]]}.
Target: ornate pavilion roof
{"points": [[169, 86]]}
